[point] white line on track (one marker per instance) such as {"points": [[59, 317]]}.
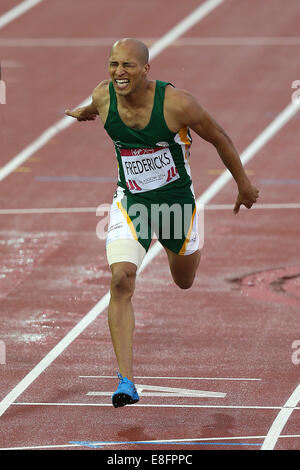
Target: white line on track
{"points": [[212, 439], [183, 42], [66, 210], [105, 443], [161, 405], [257, 144], [239, 41], [281, 420], [157, 377], [203, 10], [48, 210], [187, 23], [288, 205], [10, 64], [201, 394], [17, 11]]}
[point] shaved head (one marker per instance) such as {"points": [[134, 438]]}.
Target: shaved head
{"points": [[139, 49]]}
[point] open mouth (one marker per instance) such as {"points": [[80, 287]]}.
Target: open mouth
{"points": [[122, 83]]}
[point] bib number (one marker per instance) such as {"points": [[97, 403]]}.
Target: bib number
{"points": [[147, 169]]}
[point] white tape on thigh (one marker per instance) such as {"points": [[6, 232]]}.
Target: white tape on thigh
{"points": [[125, 250]]}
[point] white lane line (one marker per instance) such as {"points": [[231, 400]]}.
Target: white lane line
{"points": [[58, 446], [48, 210], [54, 353], [281, 420], [288, 205], [202, 11], [200, 439], [66, 210], [239, 41], [158, 391], [17, 11], [158, 405], [257, 144], [9, 64], [184, 25], [183, 42], [37, 144], [187, 23], [61, 42], [200, 394], [158, 377]]}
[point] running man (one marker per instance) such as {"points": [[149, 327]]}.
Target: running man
{"points": [[149, 122]]}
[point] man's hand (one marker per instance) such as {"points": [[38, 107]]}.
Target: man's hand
{"points": [[247, 196], [87, 113]]}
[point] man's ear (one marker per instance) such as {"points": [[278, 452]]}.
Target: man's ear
{"points": [[146, 68]]}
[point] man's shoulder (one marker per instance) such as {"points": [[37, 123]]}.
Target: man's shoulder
{"points": [[101, 92], [178, 98]]}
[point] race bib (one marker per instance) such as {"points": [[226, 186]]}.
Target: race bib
{"points": [[147, 169]]}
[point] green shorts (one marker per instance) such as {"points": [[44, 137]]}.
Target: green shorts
{"points": [[171, 216]]}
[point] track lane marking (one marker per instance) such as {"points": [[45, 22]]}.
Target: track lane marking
{"points": [[159, 405], [159, 377], [281, 420], [200, 439], [184, 42], [159, 391], [17, 11], [256, 145], [187, 23], [198, 14], [211, 207]]}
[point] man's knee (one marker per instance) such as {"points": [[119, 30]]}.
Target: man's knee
{"points": [[122, 281], [184, 268], [184, 283]]}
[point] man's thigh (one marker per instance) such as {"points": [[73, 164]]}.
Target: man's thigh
{"points": [[123, 241]]}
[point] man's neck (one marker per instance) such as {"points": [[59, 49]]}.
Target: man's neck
{"points": [[138, 97]]}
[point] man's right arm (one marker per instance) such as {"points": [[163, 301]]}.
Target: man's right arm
{"points": [[86, 113], [89, 112]]}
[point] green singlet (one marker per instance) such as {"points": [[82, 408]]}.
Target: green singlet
{"points": [[153, 170]]}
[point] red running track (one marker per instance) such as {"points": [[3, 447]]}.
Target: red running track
{"points": [[233, 335]]}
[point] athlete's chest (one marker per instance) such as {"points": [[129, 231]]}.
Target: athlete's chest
{"points": [[136, 118]]}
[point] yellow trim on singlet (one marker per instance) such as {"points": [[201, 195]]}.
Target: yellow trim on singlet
{"points": [[128, 220], [183, 134], [183, 248]]}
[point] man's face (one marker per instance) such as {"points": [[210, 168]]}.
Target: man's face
{"points": [[125, 69]]}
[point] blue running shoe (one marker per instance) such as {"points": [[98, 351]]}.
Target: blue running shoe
{"points": [[125, 394]]}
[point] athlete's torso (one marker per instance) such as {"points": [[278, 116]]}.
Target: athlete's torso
{"points": [[151, 157]]}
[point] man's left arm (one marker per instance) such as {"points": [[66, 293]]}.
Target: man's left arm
{"points": [[206, 127]]}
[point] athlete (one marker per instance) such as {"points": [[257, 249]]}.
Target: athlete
{"points": [[149, 122]]}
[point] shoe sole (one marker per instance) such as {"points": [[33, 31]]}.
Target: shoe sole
{"points": [[122, 399]]}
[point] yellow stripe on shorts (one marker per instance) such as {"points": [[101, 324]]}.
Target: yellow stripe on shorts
{"points": [[184, 246], [128, 220]]}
